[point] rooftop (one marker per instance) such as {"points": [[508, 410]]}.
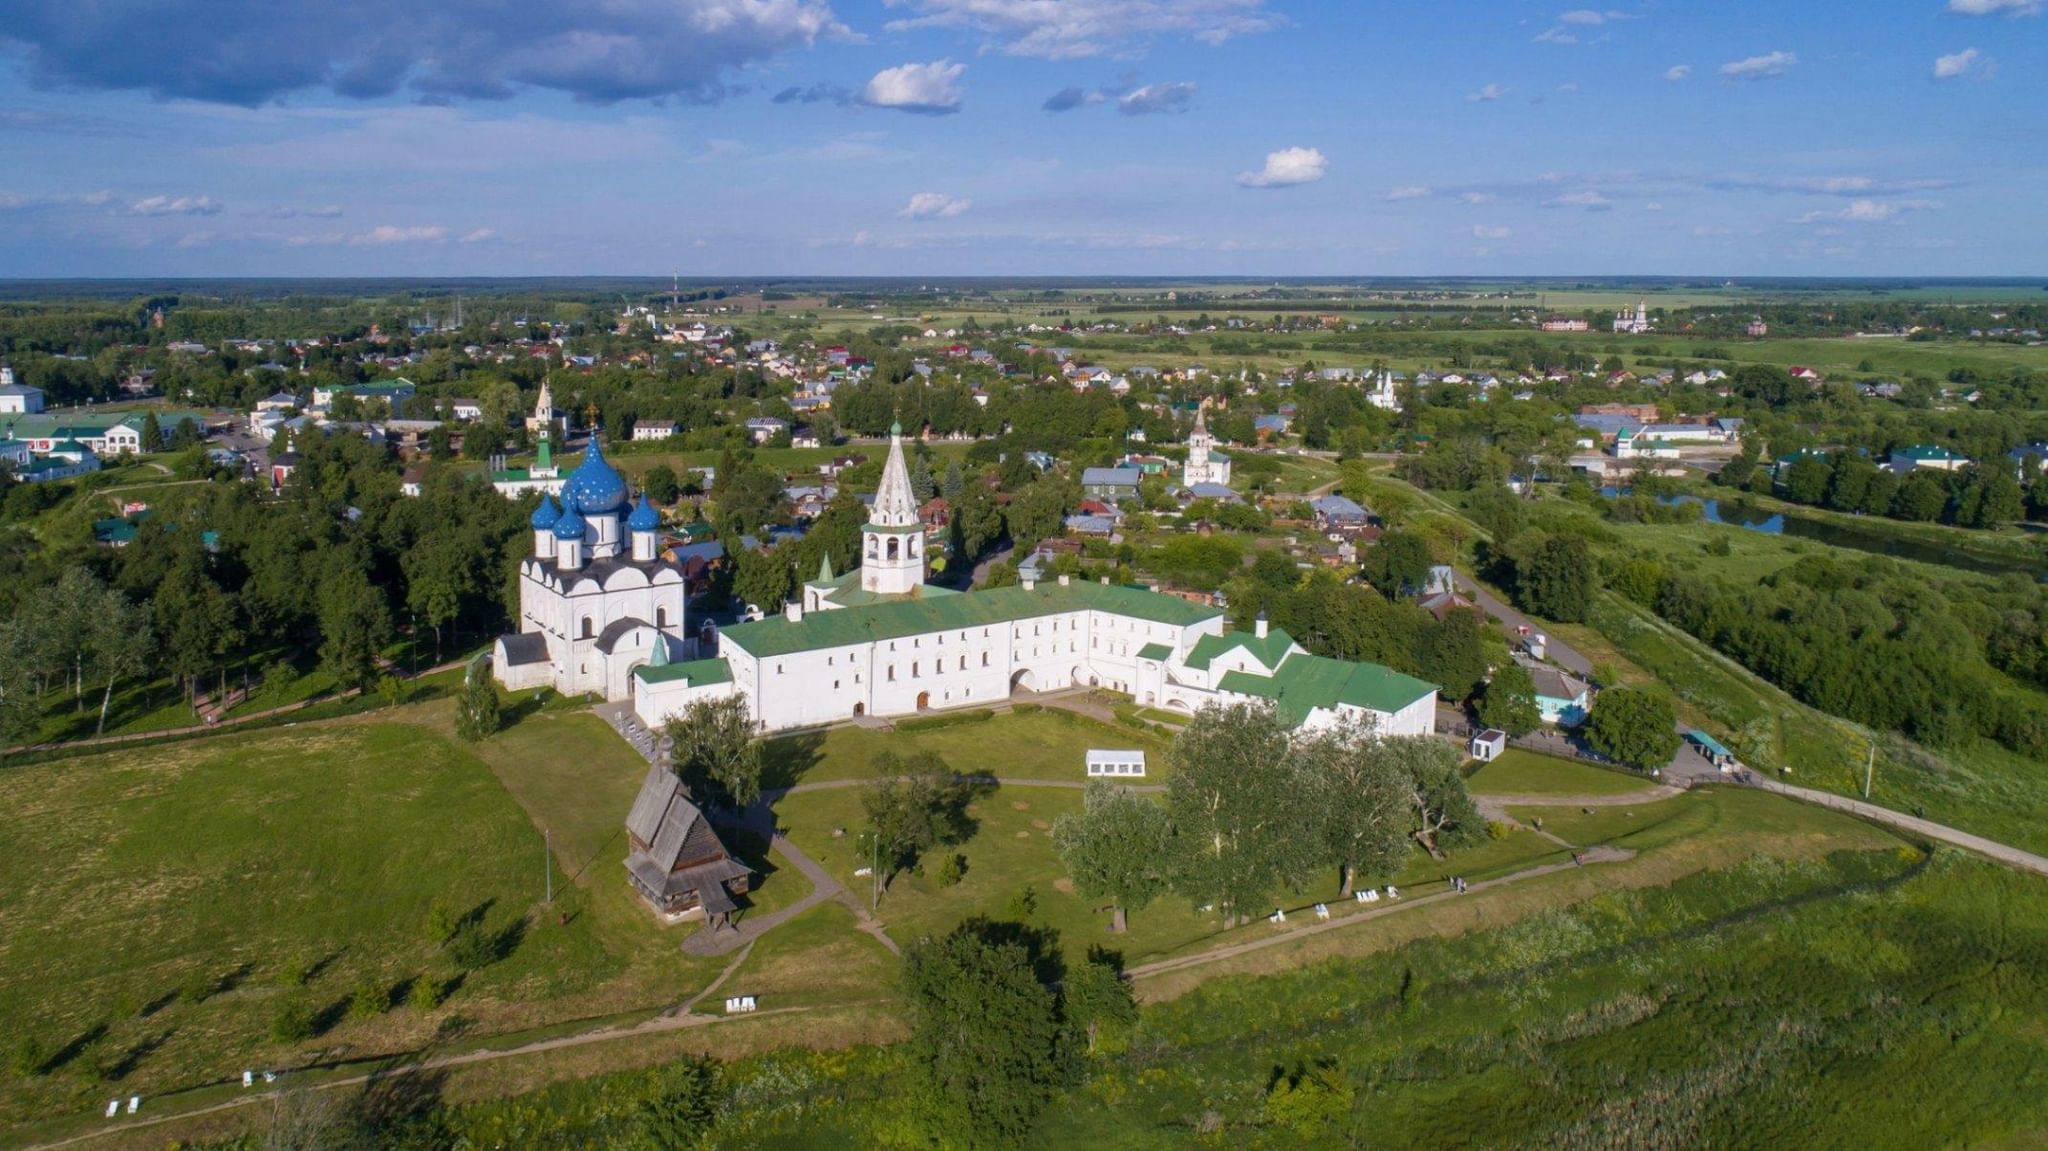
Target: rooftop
{"points": [[779, 635], [1306, 682]]}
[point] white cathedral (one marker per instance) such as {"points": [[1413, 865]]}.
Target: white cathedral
{"points": [[879, 641], [1636, 324], [596, 600]]}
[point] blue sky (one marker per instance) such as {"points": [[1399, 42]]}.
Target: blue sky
{"points": [[899, 137]]}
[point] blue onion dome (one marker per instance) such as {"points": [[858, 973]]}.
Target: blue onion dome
{"points": [[595, 485], [644, 517], [570, 526], [545, 515]]}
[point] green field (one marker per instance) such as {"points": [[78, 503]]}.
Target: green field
{"points": [[1048, 744], [177, 889], [1855, 994], [1521, 772]]}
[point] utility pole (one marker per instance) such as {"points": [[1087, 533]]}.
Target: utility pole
{"points": [[547, 861]]}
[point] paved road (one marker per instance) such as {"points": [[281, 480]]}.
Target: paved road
{"points": [[1558, 653], [1949, 835]]}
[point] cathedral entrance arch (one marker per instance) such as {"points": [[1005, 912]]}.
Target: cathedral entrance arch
{"points": [[924, 701], [860, 709], [1024, 681]]}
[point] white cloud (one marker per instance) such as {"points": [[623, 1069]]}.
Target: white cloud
{"points": [[195, 239], [1476, 197], [1482, 232], [1170, 97], [928, 89], [1995, 7], [477, 235], [934, 206], [1490, 92], [1758, 67], [1867, 211], [1555, 36], [1589, 200], [392, 234], [1409, 192], [1678, 72], [1583, 16], [1287, 167], [1569, 87], [1067, 29], [1653, 206], [1954, 64], [180, 206]]}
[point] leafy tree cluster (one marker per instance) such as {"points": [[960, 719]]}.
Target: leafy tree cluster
{"points": [[1870, 642], [1984, 495], [1252, 805]]}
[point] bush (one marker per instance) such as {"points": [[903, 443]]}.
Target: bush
{"points": [[1022, 905], [472, 947], [295, 972], [428, 992], [369, 1000], [28, 1058], [195, 987], [953, 870], [1499, 829], [1027, 708], [293, 1022]]}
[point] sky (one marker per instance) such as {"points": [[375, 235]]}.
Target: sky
{"points": [[1022, 137]]}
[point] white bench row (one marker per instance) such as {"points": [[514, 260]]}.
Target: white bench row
{"points": [[1369, 895], [114, 1106], [739, 1004]]}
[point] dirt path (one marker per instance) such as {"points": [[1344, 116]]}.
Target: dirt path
{"points": [[655, 1026], [1626, 799], [1290, 935]]}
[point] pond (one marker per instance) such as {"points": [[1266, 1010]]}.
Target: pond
{"points": [[1876, 540]]}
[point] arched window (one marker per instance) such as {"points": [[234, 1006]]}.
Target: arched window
{"points": [[586, 627], [661, 617], [874, 547], [914, 541], [892, 673], [894, 543]]}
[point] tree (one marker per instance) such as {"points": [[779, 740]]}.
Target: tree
{"points": [[476, 715], [713, 749], [1443, 813], [661, 484], [1399, 563], [122, 644], [355, 624], [912, 806], [986, 1036], [765, 577], [1114, 848], [1509, 701], [18, 710], [953, 484], [195, 616], [1920, 498], [1096, 996], [1452, 654], [437, 576], [1806, 481], [1554, 578], [152, 433], [1362, 795], [1243, 816], [1632, 726]]}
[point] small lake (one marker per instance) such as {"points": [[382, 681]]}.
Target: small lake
{"points": [[1741, 513]]}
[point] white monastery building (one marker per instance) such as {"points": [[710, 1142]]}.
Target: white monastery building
{"points": [[880, 641]]}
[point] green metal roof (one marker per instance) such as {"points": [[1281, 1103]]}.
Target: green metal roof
{"points": [[1269, 651], [697, 672], [926, 613], [1158, 651], [1306, 682]]}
